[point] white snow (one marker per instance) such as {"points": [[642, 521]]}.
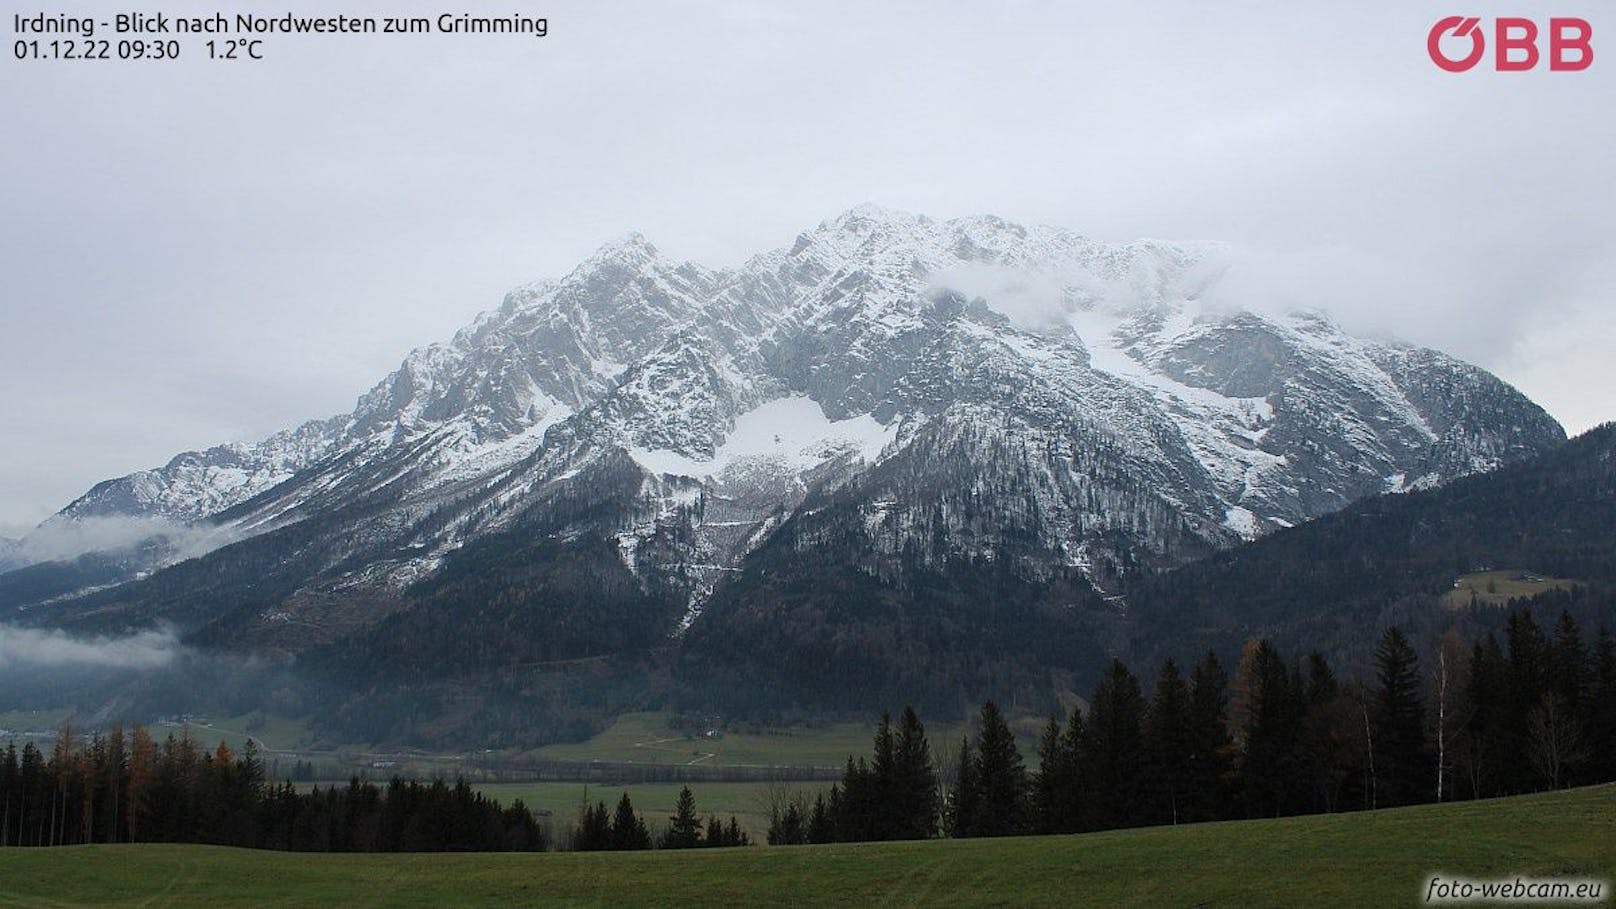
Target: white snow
{"points": [[792, 431], [1241, 521]]}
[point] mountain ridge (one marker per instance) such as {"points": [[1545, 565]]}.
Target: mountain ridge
{"points": [[899, 395]]}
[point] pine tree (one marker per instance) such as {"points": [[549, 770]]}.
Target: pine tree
{"points": [[1001, 778], [820, 827], [1047, 782], [883, 797], [1602, 712], [1167, 748], [594, 832], [1398, 720], [1568, 665], [860, 803], [835, 814], [1210, 746], [965, 798], [1333, 740], [789, 827], [914, 781], [628, 831], [1483, 759], [1271, 732], [1073, 809], [684, 827], [1528, 682], [1115, 750]]}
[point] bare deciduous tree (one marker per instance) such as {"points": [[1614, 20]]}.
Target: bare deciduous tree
{"points": [[1555, 741]]}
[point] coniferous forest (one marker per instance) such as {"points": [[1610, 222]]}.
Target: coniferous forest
{"points": [[1528, 710], [118, 788], [1274, 736], [127, 788]]}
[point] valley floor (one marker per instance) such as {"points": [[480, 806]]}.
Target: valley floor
{"points": [[1381, 858]]}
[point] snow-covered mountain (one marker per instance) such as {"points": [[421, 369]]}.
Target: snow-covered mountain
{"points": [[951, 390]]}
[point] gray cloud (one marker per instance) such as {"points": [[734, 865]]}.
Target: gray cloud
{"points": [[195, 254], [32, 647], [59, 539]]}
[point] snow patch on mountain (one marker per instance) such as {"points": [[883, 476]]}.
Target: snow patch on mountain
{"points": [[791, 433]]}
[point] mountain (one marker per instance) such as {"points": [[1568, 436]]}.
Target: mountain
{"points": [[1398, 559], [649, 454]]}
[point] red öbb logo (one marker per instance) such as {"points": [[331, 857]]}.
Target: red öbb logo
{"points": [[1515, 44]]}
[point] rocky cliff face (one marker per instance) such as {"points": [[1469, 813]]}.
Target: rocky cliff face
{"points": [[917, 392]]}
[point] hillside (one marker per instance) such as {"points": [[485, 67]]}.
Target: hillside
{"points": [[900, 459], [1379, 858], [1398, 559]]}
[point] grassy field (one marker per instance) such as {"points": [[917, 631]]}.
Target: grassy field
{"points": [[1497, 588], [1377, 859], [648, 738], [32, 720]]}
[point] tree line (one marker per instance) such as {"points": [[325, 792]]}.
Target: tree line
{"points": [[118, 788], [1281, 737], [126, 788], [624, 829]]}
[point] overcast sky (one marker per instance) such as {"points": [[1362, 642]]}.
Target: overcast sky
{"points": [[195, 252]]}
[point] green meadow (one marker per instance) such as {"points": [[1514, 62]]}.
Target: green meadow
{"points": [[1378, 858]]}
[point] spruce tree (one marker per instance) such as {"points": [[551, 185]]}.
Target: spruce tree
{"points": [[1001, 778], [1602, 710], [965, 798], [1073, 809], [628, 831], [1568, 665], [820, 827], [884, 800], [1398, 722], [1271, 756], [1210, 746], [1167, 748], [1115, 750], [914, 780], [1047, 782], [1484, 763], [594, 824], [789, 828], [684, 827]]}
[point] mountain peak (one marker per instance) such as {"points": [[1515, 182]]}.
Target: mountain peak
{"points": [[631, 250], [1097, 405]]}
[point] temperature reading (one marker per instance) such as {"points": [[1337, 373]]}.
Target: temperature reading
{"points": [[235, 49]]}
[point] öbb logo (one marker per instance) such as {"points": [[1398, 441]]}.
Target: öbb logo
{"points": [[1515, 44]]}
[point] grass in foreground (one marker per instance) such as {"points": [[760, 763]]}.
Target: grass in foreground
{"points": [[1375, 859]]}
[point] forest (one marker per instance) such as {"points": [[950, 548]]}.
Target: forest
{"points": [[129, 788], [1534, 712]]}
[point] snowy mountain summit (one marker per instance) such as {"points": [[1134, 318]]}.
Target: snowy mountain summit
{"points": [[915, 391]]}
